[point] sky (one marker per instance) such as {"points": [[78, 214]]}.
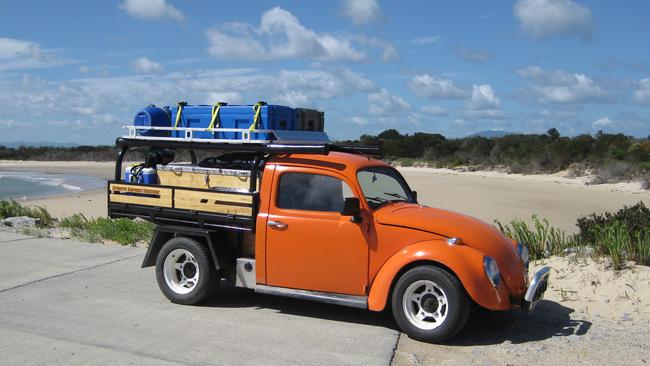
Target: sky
{"points": [[76, 71]]}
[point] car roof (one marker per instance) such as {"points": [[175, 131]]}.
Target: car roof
{"points": [[344, 162]]}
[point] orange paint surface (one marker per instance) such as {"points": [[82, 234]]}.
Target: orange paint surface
{"points": [[326, 251]]}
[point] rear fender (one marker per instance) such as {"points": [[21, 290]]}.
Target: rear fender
{"points": [[465, 262], [163, 233]]}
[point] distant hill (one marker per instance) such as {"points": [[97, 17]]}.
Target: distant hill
{"points": [[15, 144], [491, 134]]}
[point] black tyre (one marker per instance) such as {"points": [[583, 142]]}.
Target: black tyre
{"points": [[185, 272], [430, 304]]}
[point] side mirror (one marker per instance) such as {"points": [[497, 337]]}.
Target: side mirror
{"points": [[351, 207], [415, 196]]}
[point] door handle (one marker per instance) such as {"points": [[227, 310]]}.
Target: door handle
{"points": [[277, 224]]}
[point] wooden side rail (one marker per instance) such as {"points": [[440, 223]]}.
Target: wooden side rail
{"points": [[203, 200]]}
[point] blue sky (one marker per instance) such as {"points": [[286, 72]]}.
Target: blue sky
{"points": [[76, 71]]}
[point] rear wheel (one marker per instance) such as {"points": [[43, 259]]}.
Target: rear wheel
{"points": [[185, 272], [430, 304]]}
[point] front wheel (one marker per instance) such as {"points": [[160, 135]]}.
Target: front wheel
{"points": [[185, 272], [430, 304]]}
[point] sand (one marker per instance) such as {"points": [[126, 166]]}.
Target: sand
{"points": [[90, 203], [485, 195], [590, 315]]}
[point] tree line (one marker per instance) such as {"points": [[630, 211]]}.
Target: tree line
{"points": [[525, 153], [619, 154]]}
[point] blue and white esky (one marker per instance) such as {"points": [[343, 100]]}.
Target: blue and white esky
{"points": [[77, 70]]}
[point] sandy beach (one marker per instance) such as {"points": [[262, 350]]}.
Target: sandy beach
{"points": [[485, 195]]}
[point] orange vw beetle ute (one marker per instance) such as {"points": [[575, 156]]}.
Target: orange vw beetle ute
{"points": [[336, 227]]}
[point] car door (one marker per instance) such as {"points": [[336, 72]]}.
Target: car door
{"points": [[310, 245]]}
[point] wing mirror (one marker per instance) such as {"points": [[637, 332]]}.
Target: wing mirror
{"points": [[352, 207], [415, 196]]}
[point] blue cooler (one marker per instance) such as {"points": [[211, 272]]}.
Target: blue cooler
{"points": [[147, 176], [192, 116], [272, 117], [152, 116]]}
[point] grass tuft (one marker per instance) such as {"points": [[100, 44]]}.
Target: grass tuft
{"points": [[11, 208], [123, 231], [542, 239]]}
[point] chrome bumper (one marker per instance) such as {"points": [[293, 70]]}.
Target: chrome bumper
{"points": [[535, 292]]}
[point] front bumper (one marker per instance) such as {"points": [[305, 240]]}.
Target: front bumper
{"points": [[535, 292]]}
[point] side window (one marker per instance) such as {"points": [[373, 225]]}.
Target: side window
{"points": [[312, 192]]}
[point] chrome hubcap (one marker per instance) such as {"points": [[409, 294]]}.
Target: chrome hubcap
{"points": [[425, 304], [181, 271]]}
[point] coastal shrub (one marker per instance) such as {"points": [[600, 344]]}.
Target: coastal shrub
{"points": [[123, 231], [621, 244], [542, 239], [622, 236], [11, 208], [636, 218]]}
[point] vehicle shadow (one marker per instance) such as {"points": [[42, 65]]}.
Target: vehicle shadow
{"points": [[550, 319], [231, 297]]}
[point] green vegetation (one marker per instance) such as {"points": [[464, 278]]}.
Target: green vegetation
{"points": [[48, 153], [621, 236], [11, 208], [613, 157], [123, 231], [542, 239]]}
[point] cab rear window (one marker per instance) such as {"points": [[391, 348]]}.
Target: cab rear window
{"points": [[312, 192]]}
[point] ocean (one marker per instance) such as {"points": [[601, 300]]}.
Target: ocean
{"points": [[23, 185]]}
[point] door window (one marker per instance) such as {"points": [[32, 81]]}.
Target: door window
{"points": [[312, 192]]}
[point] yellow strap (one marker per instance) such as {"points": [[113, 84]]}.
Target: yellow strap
{"points": [[215, 116], [258, 111], [179, 113]]}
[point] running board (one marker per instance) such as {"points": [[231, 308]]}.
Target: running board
{"points": [[326, 297]]}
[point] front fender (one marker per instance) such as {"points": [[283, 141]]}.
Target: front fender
{"points": [[465, 262]]}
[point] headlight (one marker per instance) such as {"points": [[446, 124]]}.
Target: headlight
{"points": [[522, 250], [492, 270]]}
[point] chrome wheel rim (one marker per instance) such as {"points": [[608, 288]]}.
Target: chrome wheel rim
{"points": [[425, 304], [181, 271]]}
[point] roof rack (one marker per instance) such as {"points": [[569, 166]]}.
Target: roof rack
{"points": [[261, 147]]}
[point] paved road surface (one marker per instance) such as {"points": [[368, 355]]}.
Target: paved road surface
{"points": [[65, 302]]}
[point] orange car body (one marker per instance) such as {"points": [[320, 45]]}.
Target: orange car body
{"points": [[328, 252]]}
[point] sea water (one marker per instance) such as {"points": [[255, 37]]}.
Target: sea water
{"points": [[23, 185]]}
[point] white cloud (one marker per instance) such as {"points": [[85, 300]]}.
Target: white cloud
{"points": [[361, 11], [358, 120], [548, 18], [602, 123], [473, 55], [144, 65], [425, 40], [388, 51], [483, 98], [562, 87], [432, 110], [484, 114], [151, 9], [642, 94], [384, 103], [281, 36], [425, 85], [483, 104], [16, 54], [9, 123], [35, 99]]}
